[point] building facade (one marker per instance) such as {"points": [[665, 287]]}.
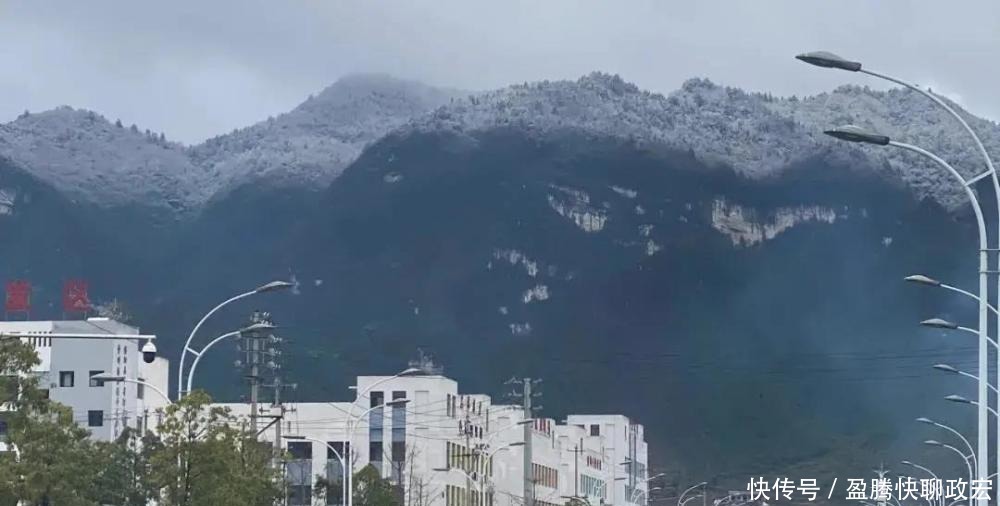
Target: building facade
{"points": [[441, 447], [73, 352]]}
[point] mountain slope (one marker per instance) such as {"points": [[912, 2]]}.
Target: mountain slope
{"points": [[755, 134], [311, 144]]}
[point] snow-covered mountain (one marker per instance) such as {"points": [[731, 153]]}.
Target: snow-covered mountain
{"points": [[315, 141], [757, 135], [87, 157]]}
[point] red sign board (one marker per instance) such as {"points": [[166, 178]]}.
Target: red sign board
{"points": [[18, 296], [75, 298]]}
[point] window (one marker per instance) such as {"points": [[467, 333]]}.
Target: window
{"points": [[140, 391], [595, 430], [377, 398], [95, 418], [66, 378], [96, 382]]}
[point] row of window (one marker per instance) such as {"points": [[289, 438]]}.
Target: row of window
{"points": [[461, 496], [457, 402], [67, 379], [592, 487], [545, 476], [594, 462], [463, 458]]}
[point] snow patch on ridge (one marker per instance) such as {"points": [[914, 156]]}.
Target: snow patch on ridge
{"points": [[744, 228]]}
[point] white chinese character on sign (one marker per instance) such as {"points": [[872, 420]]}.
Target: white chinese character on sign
{"points": [[759, 489], [856, 489], [931, 489], [783, 487], [955, 489], [808, 488], [980, 489], [881, 489], [907, 488]]}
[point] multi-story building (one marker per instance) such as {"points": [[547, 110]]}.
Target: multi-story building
{"points": [[444, 448], [71, 353]]}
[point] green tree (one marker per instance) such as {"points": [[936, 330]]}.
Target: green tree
{"points": [[370, 489], [205, 457], [51, 459], [124, 477]]}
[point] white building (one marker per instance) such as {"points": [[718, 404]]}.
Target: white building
{"points": [[72, 352], [431, 445]]}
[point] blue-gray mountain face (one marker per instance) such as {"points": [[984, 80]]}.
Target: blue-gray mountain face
{"points": [[703, 262]]}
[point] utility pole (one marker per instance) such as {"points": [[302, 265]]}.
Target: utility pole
{"points": [[527, 394], [250, 342], [576, 468]]}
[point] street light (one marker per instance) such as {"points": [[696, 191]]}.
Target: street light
{"points": [[939, 425], [951, 370], [269, 287], [856, 134], [928, 471], [350, 434], [343, 468], [484, 463], [113, 378], [200, 353], [938, 323], [830, 60], [965, 458], [920, 279], [962, 400], [692, 487]]}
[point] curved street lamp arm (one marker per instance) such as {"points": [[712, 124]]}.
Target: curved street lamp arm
{"points": [[968, 445], [969, 295], [187, 344], [150, 386], [197, 357], [976, 332], [692, 487], [941, 103]]}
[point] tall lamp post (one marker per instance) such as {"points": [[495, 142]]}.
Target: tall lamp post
{"points": [[957, 434], [269, 287], [343, 468], [853, 133], [830, 60], [351, 426]]}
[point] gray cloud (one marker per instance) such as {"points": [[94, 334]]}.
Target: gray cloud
{"points": [[195, 69]]}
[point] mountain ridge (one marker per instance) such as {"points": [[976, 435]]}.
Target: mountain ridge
{"points": [[755, 134]]}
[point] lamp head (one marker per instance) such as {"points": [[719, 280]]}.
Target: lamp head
{"points": [[923, 280], [854, 133], [829, 60], [945, 368], [273, 286], [957, 398], [925, 420], [939, 323]]}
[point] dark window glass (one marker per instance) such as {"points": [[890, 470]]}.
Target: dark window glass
{"points": [[375, 451], [299, 495], [377, 398], [398, 451], [300, 450], [595, 430], [66, 378], [95, 418]]}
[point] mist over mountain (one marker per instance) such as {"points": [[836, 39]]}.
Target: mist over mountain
{"points": [[706, 262]]}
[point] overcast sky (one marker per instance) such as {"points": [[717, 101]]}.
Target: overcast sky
{"points": [[194, 69]]}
